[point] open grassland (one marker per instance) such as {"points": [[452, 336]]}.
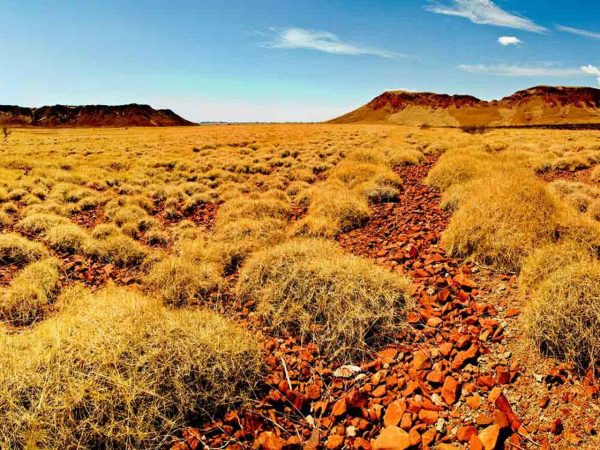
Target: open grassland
{"points": [[148, 276]]}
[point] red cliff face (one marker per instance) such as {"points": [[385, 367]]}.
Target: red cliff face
{"points": [[582, 97], [560, 105], [132, 115], [399, 100]]}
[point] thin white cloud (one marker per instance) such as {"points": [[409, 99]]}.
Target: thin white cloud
{"points": [[507, 70], [485, 12], [509, 40], [591, 70], [324, 41], [579, 32]]}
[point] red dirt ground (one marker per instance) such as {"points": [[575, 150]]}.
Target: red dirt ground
{"points": [[459, 376]]}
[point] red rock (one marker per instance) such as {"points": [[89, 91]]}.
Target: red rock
{"points": [[502, 375], [434, 322], [379, 391], [464, 433], [543, 402], [464, 356], [512, 312], [503, 405], [339, 408], [391, 438], [421, 360], [475, 443], [435, 376], [557, 426], [486, 381], [428, 417], [388, 355], [268, 440], [450, 390], [414, 436], [445, 349], [444, 446], [501, 420], [489, 437], [406, 422], [428, 437], [394, 412], [334, 442], [464, 281]]}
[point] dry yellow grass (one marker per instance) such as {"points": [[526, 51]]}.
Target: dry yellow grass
{"points": [[112, 196], [180, 282], [345, 304], [563, 314], [498, 223], [15, 249], [30, 293], [117, 370]]}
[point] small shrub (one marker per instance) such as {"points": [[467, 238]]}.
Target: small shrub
{"points": [[66, 238], [546, 260], [118, 250], [562, 316], [179, 282], [404, 156], [15, 249], [506, 217], [118, 370], [30, 293], [454, 168], [343, 303]]}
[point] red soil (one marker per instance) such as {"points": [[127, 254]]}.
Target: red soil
{"points": [[457, 375]]}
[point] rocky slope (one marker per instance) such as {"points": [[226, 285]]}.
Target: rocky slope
{"points": [[537, 106], [132, 115]]}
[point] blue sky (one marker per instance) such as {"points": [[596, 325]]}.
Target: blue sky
{"points": [[244, 60]]}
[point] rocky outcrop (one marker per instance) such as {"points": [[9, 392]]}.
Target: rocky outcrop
{"points": [[537, 106], [132, 115]]}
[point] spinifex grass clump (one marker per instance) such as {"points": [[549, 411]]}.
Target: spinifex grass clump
{"points": [[30, 293], [181, 282], [562, 315], [118, 370], [345, 304], [505, 217]]}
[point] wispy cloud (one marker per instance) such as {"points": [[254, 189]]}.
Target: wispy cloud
{"points": [[324, 41], [485, 12], [591, 70], [509, 40], [579, 32], [507, 70]]}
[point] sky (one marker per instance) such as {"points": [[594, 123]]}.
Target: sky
{"points": [[288, 60]]}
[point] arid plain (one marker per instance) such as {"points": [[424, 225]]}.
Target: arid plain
{"points": [[281, 286]]}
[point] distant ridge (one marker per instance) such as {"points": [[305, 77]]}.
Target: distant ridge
{"points": [[538, 106], [132, 115]]}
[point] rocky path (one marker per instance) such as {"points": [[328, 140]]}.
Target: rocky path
{"points": [[458, 376]]}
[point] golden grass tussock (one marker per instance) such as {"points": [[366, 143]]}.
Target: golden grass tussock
{"points": [[118, 370], [548, 259], [507, 216], [562, 315], [579, 195], [400, 156], [332, 209], [180, 282], [15, 249], [456, 168], [39, 223], [119, 250], [343, 303], [68, 238], [264, 207], [30, 293]]}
